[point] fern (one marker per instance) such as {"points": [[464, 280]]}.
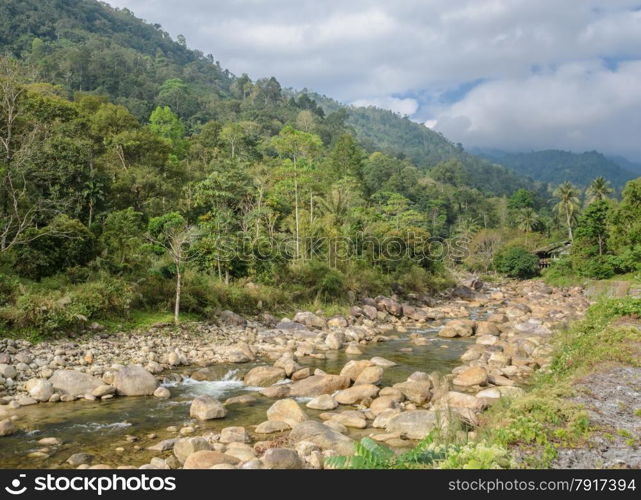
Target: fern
{"points": [[368, 454]]}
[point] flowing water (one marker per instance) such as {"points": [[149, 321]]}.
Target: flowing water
{"points": [[118, 431]]}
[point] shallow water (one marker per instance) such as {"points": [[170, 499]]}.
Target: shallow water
{"points": [[100, 427]]}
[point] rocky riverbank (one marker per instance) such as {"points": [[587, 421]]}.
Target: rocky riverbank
{"points": [[511, 325]]}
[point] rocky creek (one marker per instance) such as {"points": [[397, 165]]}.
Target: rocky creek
{"points": [[251, 394]]}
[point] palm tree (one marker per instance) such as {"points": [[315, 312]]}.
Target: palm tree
{"points": [[528, 220], [568, 204], [599, 190]]}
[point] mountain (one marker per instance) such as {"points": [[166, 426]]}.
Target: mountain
{"points": [[626, 164], [383, 130], [554, 166]]}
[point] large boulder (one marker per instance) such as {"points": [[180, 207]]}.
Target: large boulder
{"points": [[282, 458], [233, 319], [317, 385], [322, 436], [458, 328], [415, 424], [206, 408], [370, 375], [262, 376], [288, 411], [474, 375], [6, 427], [134, 380], [335, 339], [73, 383], [357, 393], [39, 389], [322, 402], [370, 312], [309, 319], [354, 368], [186, 446], [206, 459], [7, 371], [417, 391]]}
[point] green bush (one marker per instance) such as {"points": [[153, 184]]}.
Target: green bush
{"points": [[315, 280], [517, 262], [52, 311]]}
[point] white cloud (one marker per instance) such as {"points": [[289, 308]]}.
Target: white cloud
{"points": [[546, 54], [403, 107]]}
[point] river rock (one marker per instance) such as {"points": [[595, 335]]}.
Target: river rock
{"points": [[80, 459], [6, 427], [417, 391], [288, 411], [322, 436], [415, 424], [309, 319], [354, 368], [317, 385], [186, 446], [262, 376], [134, 380], [206, 408], [322, 402], [474, 375], [356, 393], [337, 322], [370, 375], [277, 391], [235, 434], [206, 459], [354, 419], [462, 400], [353, 350], [39, 389], [73, 383], [8, 371], [383, 403], [370, 312], [334, 340], [243, 399], [103, 390], [162, 393], [458, 328], [281, 458], [382, 362], [271, 426], [231, 318], [487, 328]]}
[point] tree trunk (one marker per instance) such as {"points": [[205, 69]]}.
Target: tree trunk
{"points": [[297, 219], [177, 307], [568, 220]]}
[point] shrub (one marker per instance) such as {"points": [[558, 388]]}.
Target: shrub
{"points": [[517, 262], [51, 311]]}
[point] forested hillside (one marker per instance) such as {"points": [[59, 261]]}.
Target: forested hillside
{"points": [[555, 167], [137, 175]]}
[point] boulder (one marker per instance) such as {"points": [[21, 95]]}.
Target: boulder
{"points": [[39, 389], [370, 375], [353, 350], [7, 371], [474, 375], [417, 391], [458, 328], [382, 362], [322, 402], [462, 400], [103, 390], [235, 434], [271, 426], [186, 446], [357, 393], [162, 393], [262, 376], [337, 322], [231, 318], [288, 411], [322, 436], [206, 459], [354, 419], [317, 385], [382, 403], [414, 424], [275, 391], [6, 427], [281, 458], [73, 383], [206, 408], [309, 319], [354, 368], [487, 328], [334, 340], [370, 312], [134, 380]]}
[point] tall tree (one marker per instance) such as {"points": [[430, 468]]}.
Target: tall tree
{"points": [[568, 205], [599, 190]]}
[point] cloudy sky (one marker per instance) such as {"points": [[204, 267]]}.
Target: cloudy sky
{"points": [[509, 74]]}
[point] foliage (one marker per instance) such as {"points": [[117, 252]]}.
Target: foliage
{"points": [[517, 262]]}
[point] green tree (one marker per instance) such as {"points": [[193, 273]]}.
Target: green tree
{"points": [[568, 205], [599, 190], [171, 234]]}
